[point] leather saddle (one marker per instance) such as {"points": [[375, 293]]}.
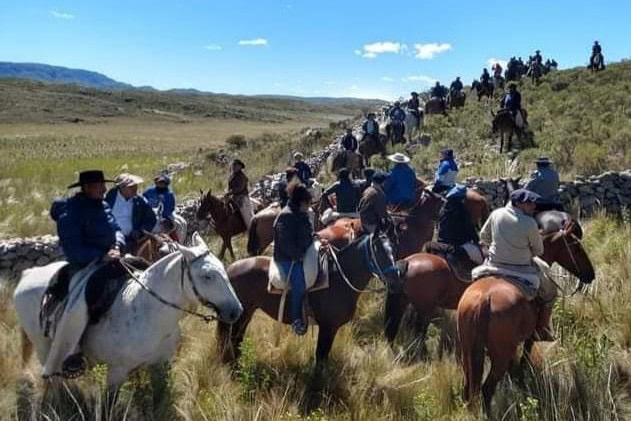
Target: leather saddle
{"points": [[456, 257]]}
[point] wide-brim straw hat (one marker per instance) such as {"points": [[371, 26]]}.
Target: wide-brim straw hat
{"points": [[128, 180], [399, 158]]}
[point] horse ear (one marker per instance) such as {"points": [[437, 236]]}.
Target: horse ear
{"points": [[187, 253], [201, 192], [197, 240]]}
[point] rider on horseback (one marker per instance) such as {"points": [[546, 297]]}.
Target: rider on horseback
{"points": [[400, 188], [597, 51], [413, 107], [397, 114], [132, 212], [87, 233], [161, 196], [512, 102], [497, 70], [291, 176], [370, 127], [304, 170], [373, 212], [514, 240], [485, 78], [347, 195], [349, 142], [238, 191], [545, 182], [537, 58], [293, 234], [456, 86], [446, 172], [440, 92]]}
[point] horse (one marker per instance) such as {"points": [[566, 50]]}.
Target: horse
{"points": [[494, 315], [413, 123], [482, 89], [395, 130], [345, 159], [185, 279], [372, 145], [332, 307], [456, 99], [596, 63], [504, 123], [430, 284], [224, 218], [435, 106], [535, 72]]}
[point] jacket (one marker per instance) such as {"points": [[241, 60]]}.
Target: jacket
{"points": [[166, 198], [512, 101], [372, 207], [238, 184], [446, 173], [293, 234], [513, 237], [143, 217], [283, 196], [545, 182], [347, 195], [349, 142], [397, 114], [374, 130], [456, 85], [400, 187], [86, 228], [439, 91], [455, 226], [304, 171], [414, 104]]}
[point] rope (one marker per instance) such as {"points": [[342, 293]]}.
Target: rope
{"points": [[345, 278], [130, 269]]}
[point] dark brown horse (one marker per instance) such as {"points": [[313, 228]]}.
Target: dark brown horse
{"points": [[504, 123], [224, 218], [494, 316], [430, 284], [372, 145], [332, 307], [482, 89]]}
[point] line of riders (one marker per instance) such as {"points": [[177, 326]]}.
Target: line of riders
{"points": [[96, 224]]}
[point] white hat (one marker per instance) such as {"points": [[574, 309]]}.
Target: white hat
{"points": [[399, 158], [128, 180]]}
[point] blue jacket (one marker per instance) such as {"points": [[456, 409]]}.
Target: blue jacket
{"points": [[86, 228], [143, 217], [446, 173], [400, 187], [545, 182], [397, 114], [166, 198], [512, 101], [304, 171]]}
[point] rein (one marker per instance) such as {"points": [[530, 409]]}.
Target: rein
{"points": [[205, 317]]}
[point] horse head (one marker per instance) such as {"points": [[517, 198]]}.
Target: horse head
{"points": [[566, 249], [209, 283]]}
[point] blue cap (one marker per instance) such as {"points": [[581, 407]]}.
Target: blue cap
{"points": [[379, 177], [524, 196]]}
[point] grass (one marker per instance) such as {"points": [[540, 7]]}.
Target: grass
{"points": [[586, 375]]}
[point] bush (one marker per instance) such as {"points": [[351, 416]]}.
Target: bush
{"points": [[236, 141]]}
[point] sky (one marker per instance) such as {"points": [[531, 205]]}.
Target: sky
{"points": [[366, 49]]}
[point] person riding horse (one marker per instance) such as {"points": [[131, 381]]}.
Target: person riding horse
{"points": [[304, 170], [349, 141], [370, 128], [537, 58], [485, 78], [238, 191], [440, 92], [291, 176], [293, 234], [545, 182], [597, 52], [347, 195], [514, 241], [413, 107], [446, 172], [397, 119], [497, 70], [161, 197], [456, 86], [400, 188], [512, 102], [373, 212], [132, 212], [88, 233]]}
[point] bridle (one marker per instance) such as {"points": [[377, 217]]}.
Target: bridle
{"points": [[185, 271]]}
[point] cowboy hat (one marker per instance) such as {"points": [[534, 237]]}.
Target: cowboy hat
{"points": [[128, 180], [399, 158], [524, 196], [89, 177]]}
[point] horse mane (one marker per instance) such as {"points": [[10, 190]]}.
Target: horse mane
{"points": [[161, 264]]}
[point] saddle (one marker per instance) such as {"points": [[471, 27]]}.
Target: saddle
{"points": [[103, 285], [458, 259], [315, 266], [526, 278]]}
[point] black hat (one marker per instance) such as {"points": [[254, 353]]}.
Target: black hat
{"points": [[238, 162], [524, 196], [414, 93], [343, 173], [90, 176], [543, 160]]}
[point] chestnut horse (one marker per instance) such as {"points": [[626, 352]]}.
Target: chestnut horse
{"points": [[493, 314], [429, 284], [224, 218], [332, 307]]}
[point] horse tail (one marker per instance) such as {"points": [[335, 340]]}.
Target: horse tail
{"points": [[253, 239], [27, 348], [473, 326]]}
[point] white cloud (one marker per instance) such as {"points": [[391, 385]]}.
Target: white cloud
{"points": [[383, 47], [490, 62], [213, 47], [62, 15], [428, 51], [422, 79], [256, 42], [387, 79]]}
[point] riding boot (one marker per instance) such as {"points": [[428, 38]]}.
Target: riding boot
{"points": [[544, 331]]}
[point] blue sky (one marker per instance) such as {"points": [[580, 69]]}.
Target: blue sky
{"points": [[309, 48]]}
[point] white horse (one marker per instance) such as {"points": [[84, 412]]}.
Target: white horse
{"points": [[413, 124], [138, 330]]}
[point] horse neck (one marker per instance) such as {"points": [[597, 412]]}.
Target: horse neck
{"points": [[216, 208], [353, 262], [165, 279]]}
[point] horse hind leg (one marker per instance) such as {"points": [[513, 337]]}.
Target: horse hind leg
{"points": [[499, 366], [394, 309]]}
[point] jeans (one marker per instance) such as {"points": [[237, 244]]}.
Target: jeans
{"points": [[297, 283]]}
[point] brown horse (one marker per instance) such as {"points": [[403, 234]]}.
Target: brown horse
{"points": [[224, 218], [482, 89], [332, 307], [504, 123], [494, 315], [372, 145], [430, 284]]}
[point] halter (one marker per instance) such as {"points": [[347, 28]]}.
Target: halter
{"points": [[185, 268]]}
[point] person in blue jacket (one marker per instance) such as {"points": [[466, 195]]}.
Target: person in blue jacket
{"points": [[161, 195], [400, 187], [446, 172], [132, 212], [304, 170]]}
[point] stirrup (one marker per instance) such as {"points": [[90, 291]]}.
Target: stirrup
{"points": [[73, 366]]}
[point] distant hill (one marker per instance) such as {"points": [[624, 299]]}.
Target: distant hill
{"points": [[57, 74]]}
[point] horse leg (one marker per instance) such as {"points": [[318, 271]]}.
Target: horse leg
{"points": [[501, 142], [499, 366], [394, 309], [326, 335], [159, 374], [230, 249], [229, 337], [421, 324], [222, 252]]}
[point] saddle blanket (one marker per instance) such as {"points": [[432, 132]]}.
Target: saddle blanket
{"points": [[314, 265], [526, 278]]}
